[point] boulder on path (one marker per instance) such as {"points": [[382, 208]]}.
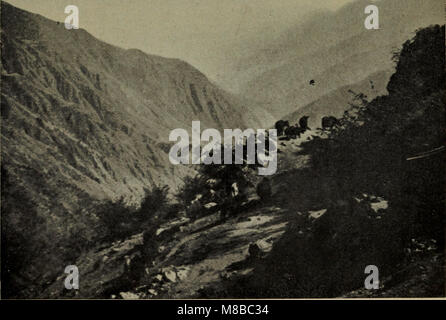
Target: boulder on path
{"points": [[170, 275], [259, 249]]}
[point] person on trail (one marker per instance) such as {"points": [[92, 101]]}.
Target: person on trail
{"points": [[195, 208], [264, 190], [227, 200]]}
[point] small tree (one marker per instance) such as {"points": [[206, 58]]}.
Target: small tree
{"points": [[155, 201], [115, 219]]}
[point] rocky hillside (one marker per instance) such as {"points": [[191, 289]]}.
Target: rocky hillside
{"points": [[331, 48], [83, 120], [356, 196], [101, 112]]}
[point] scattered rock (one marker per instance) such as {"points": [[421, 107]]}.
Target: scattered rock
{"points": [[210, 205], [226, 275], [159, 231], [108, 270], [259, 249], [381, 205], [141, 288], [317, 214], [182, 274], [128, 296], [264, 246], [170, 275], [159, 277], [153, 292]]}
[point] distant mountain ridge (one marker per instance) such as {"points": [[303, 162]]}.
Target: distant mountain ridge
{"points": [[332, 48]]}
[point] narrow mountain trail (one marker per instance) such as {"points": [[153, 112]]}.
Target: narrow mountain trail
{"points": [[206, 258], [209, 251], [246, 255], [210, 257], [195, 256]]}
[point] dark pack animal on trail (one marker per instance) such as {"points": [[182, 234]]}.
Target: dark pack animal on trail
{"points": [[288, 132], [303, 123], [300, 130], [329, 122], [293, 132], [281, 126]]}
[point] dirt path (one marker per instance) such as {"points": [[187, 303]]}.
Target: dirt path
{"points": [[208, 251], [206, 257]]}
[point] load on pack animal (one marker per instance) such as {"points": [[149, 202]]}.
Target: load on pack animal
{"points": [[329, 122]]}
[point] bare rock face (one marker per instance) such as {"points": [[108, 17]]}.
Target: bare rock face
{"points": [[84, 121]]}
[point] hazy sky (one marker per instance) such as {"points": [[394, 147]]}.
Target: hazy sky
{"points": [[198, 31]]}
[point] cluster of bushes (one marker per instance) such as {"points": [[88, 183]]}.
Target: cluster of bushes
{"points": [[117, 220], [213, 184], [27, 236]]}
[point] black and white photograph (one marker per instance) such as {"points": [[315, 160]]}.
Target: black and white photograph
{"points": [[223, 149]]}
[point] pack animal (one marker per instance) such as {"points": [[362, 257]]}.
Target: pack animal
{"points": [[281, 126], [329, 122]]}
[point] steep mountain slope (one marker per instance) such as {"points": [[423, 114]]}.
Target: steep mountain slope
{"points": [[332, 48], [84, 121], [99, 112]]}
